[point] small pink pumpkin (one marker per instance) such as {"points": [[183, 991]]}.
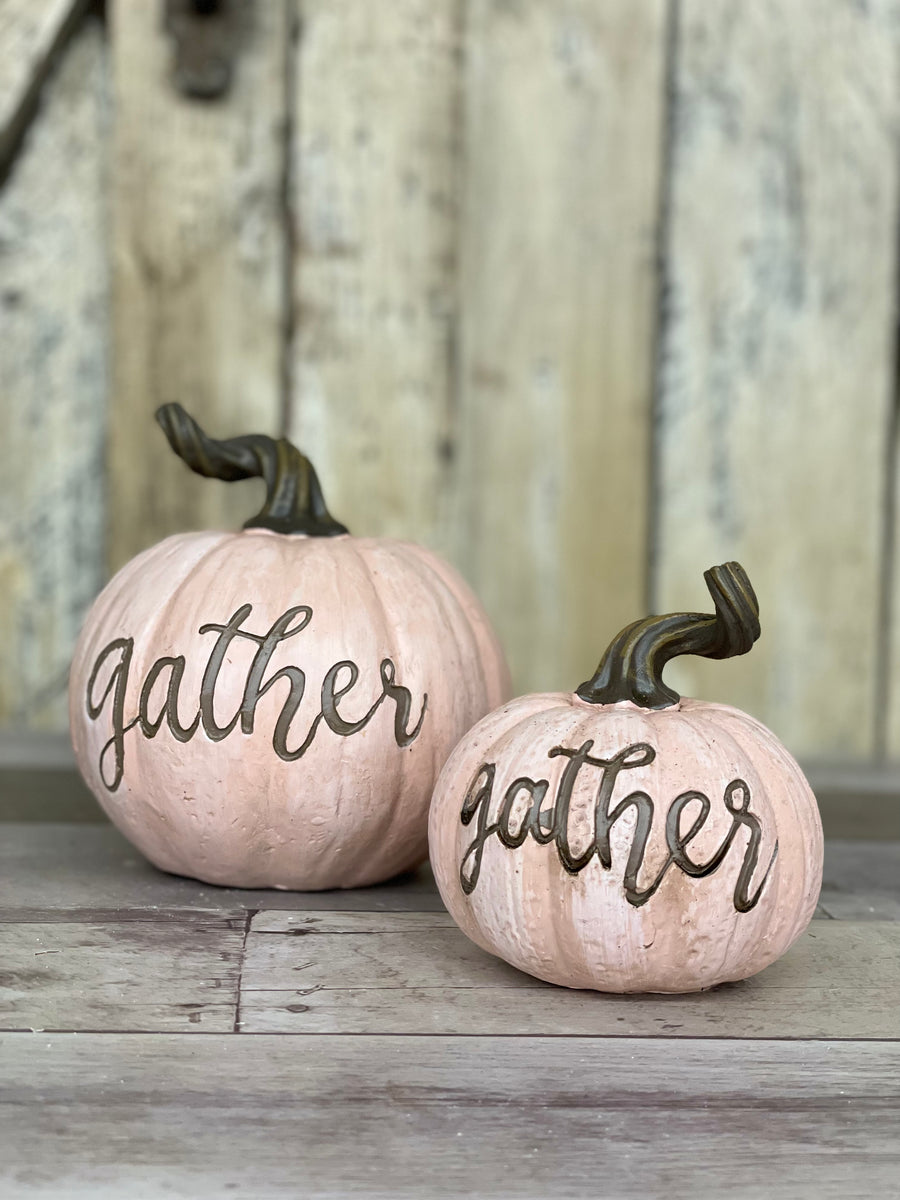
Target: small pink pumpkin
{"points": [[624, 839], [271, 708]]}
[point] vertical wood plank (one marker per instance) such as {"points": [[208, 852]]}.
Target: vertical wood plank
{"points": [[53, 311], [777, 349], [198, 265], [375, 187], [564, 114]]}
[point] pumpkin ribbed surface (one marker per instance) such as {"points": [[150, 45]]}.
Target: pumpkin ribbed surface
{"points": [[384, 636], [542, 897]]}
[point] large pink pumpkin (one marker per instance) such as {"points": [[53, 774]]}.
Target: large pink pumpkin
{"points": [[624, 839], [271, 708]]}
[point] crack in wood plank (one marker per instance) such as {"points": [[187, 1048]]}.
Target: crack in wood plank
{"points": [[248, 921]]}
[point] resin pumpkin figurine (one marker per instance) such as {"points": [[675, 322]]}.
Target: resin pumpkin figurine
{"points": [[623, 838], [271, 708]]}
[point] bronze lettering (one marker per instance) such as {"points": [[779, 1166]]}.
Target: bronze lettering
{"points": [[552, 824], [339, 680]]}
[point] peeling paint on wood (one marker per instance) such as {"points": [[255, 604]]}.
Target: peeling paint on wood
{"points": [[375, 161], [198, 253], [777, 362], [53, 350], [30, 35]]}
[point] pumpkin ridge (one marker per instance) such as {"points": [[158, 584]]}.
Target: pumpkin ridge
{"points": [[405, 553], [704, 728], [806, 815], [361, 549], [423, 567], [161, 618]]}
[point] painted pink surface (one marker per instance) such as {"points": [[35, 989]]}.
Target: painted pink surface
{"points": [[352, 810], [579, 929]]}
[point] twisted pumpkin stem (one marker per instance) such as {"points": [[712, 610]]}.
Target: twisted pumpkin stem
{"points": [[294, 500], [632, 666]]}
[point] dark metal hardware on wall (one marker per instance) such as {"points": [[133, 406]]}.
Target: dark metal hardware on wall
{"points": [[207, 36]]}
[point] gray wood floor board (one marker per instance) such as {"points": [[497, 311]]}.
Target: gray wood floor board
{"points": [[117, 1118], [155, 972], [300, 924], [400, 972], [396, 953], [865, 1014], [784, 1086], [346, 973], [196, 917]]}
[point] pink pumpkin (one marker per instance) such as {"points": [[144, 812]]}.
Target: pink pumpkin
{"points": [[271, 708], [624, 839]]}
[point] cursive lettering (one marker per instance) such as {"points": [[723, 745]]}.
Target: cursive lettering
{"points": [[551, 824], [339, 680]]}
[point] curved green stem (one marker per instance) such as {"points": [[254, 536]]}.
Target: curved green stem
{"points": [[294, 501], [631, 669]]}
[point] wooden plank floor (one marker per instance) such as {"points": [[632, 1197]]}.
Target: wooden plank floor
{"points": [[159, 1037]]}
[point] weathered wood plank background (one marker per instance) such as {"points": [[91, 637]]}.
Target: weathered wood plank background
{"points": [[585, 296], [53, 382], [777, 382], [198, 246]]}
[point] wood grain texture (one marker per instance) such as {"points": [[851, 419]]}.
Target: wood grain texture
{"points": [[198, 267], [325, 973], [777, 364], [112, 1118], [30, 34], [564, 108], [155, 970], [53, 349], [338, 921], [374, 196]]}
